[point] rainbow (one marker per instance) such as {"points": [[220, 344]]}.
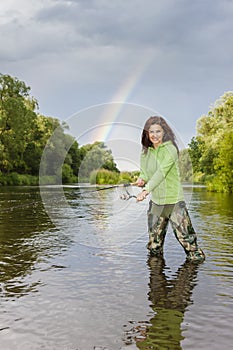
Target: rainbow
{"points": [[112, 111]]}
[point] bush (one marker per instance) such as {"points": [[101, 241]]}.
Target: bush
{"points": [[103, 177], [15, 179], [48, 180], [128, 177], [219, 184], [67, 174]]}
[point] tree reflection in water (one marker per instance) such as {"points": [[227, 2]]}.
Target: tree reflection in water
{"points": [[28, 241], [169, 299]]}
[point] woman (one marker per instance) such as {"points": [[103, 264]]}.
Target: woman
{"points": [[159, 175]]}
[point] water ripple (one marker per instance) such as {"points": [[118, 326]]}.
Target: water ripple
{"points": [[84, 280]]}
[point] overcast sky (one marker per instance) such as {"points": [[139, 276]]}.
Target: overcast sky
{"points": [[170, 56]]}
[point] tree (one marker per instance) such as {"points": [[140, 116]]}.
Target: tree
{"points": [[214, 144], [54, 154], [12, 88], [223, 165], [75, 157], [42, 130], [33, 144], [94, 157], [17, 117], [185, 165], [194, 149]]}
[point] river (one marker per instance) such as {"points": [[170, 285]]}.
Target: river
{"points": [[75, 274]]}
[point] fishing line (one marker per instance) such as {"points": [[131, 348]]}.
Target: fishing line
{"points": [[124, 196], [113, 186]]}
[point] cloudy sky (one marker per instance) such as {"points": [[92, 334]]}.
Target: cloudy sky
{"points": [[170, 56]]}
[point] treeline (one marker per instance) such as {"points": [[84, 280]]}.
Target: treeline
{"points": [[35, 147], [211, 151], [27, 137]]}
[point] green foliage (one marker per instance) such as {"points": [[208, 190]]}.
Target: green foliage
{"points": [[67, 174], [25, 135], [185, 165], [128, 177], [195, 153], [75, 157], [212, 149], [223, 164], [95, 156], [15, 179], [11, 87], [17, 120], [54, 154], [31, 143], [104, 176]]}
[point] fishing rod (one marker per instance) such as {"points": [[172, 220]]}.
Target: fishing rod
{"points": [[124, 196], [114, 186]]}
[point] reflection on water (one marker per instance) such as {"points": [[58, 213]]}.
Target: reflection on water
{"points": [[79, 277], [215, 211], [169, 298], [27, 240]]}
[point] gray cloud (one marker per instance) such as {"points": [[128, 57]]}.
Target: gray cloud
{"points": [[169, 23], [78, 53], [194, 29]]}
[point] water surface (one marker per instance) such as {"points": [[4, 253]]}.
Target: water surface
{"points": [[77, 276]]}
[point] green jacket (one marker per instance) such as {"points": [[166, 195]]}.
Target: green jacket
{"points": [[159, 168]]}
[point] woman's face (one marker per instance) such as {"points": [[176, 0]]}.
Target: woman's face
{"points": [[156, 135]]}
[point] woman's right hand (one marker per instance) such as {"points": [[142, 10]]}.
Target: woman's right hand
{"points": [[140, 182]]}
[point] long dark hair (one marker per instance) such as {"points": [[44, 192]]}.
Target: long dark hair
{"points": [[168, 133]]}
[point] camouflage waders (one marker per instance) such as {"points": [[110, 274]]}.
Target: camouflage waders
{"points": [[177, 214]]}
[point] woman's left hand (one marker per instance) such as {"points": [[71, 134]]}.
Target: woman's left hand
{"points": [[141, 196], [140, 182]]}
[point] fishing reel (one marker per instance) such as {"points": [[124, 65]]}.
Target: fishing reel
{"points": [[126, 195]]}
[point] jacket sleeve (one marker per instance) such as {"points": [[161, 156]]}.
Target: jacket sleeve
{"points": [[166, 161]]}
